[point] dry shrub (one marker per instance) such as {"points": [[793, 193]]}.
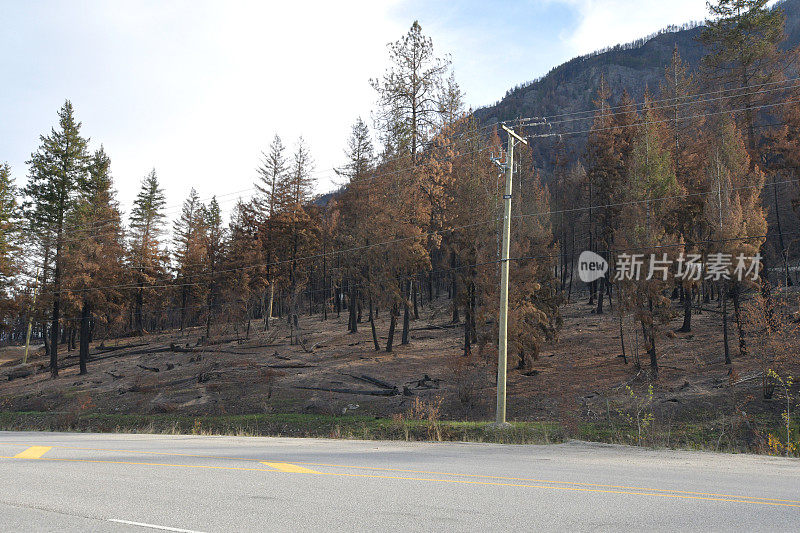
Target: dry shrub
{"points": [[774, 339], [733, 377], [268, 376], [145, 384], [399, 423], [469, 375], [427, 410], [86, 403]]}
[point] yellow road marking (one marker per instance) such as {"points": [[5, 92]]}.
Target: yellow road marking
{"points": [[34, 452], [286, 467], [623, 488], [777, 503], [535, 480]]}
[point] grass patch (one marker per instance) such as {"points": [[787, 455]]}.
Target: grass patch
{"points": [[709, 434], [285, 425]]}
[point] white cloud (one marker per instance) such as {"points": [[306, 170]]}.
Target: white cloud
{"points": [[603, 23], [195, 89]]}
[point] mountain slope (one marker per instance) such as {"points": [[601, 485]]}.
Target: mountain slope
{"points": [[635, 67]]}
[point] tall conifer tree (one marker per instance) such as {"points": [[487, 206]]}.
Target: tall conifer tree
{"points": [[147, 258], [57, 179]]}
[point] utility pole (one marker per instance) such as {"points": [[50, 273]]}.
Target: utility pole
{"points": [[502, 361]]}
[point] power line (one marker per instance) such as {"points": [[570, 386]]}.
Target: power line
{"points": [[674, 98], [643, 105], [646, 123]]}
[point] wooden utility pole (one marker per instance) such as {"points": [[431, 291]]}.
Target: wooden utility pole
{"points": [[502, 360]]}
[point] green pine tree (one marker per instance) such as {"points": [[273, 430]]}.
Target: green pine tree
{"points": [[56, 184], [9, 235]]}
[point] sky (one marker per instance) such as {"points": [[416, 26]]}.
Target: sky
{"points": [[197, 89]]}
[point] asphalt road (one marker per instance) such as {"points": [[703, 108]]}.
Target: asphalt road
{"points": [[91, 482]]}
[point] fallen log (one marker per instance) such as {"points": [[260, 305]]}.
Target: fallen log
{"points": [[94, 358], [104, 349], [430, 327], [19, 373], [212, 342], [382, 392], [138, 352], [150, 368], [290, 365], [181, 349], [425, 383], [374, 381]]}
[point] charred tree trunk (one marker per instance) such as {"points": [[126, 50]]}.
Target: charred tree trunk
{"points": [[414, 299], [737, 312], [622, 337], [138, 320], [54, 336], [406, 313], [46, 339], [247, 317], [687, 311], [725, 325], [651, 348], [473, 302], [184, 301], [601, 295], [430, 287], [352, 322], [468, 326], [372, 326], [83, 356], [783, 251], [454, 287], [392, 325]]}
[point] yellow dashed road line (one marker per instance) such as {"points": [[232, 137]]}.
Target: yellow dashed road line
{"points": [[34, 452], [286, 467], [453, 481]]}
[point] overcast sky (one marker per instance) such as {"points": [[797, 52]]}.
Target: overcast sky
{"points": [[197, 89]]}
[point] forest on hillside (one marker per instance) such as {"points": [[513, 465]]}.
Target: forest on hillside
{"points": [[688, 173]]}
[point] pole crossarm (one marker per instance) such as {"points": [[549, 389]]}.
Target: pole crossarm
{"points": [[512, 134]]}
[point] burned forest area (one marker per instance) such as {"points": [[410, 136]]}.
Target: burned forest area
{"points": [[650, 197]]}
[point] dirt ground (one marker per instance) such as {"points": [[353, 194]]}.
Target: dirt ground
{"points": [[580, 377]]}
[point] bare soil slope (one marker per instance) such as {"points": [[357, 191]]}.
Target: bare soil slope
{"points": [[582, 377]]}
